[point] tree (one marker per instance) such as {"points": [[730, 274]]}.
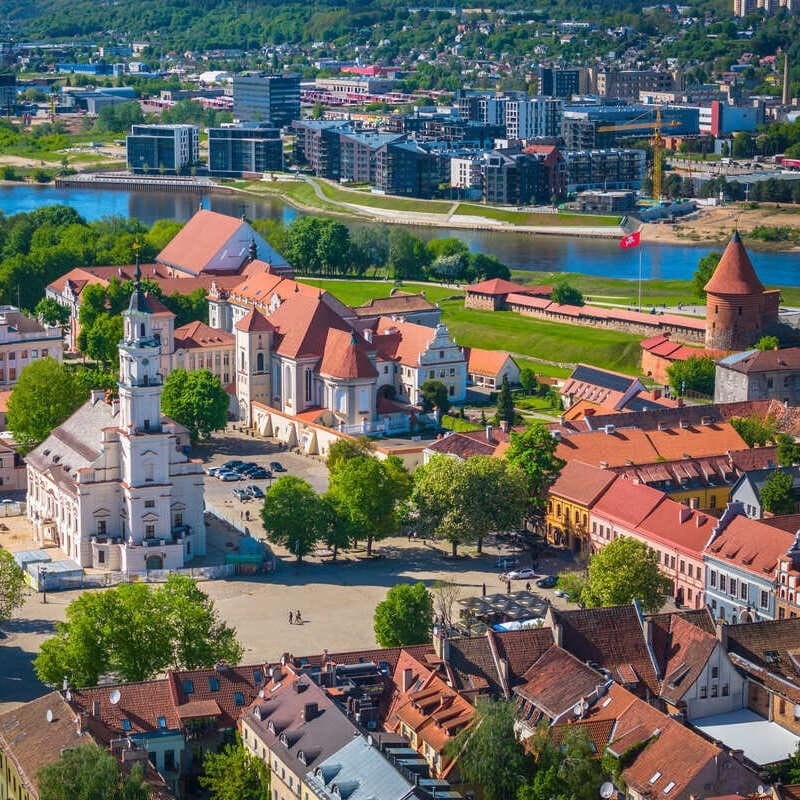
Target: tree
{"points": [[361, 490], [489, 755], [102, 338], [624, 570], [566, 294], [696, 374], [568, 769], [405, 616], [527, 380], [12, 585], [104, 631], [433, 394], [235, 774], [51, 312], [768, 343], [343, 449], [295, 516], [777, 495], [407, 256], [505, 403], [705, 269], [788, 450], [45, 395], [90, 772], [756, 431], [196, 399], [534, 451]]}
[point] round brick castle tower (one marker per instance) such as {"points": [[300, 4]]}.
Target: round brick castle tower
{"points": [[739, 311]]}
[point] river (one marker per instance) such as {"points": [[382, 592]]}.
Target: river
{"points": [[517, 251]]}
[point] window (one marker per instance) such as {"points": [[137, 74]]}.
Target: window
{"points": [[101, 556], [432, 373], [188, 687], [35, 354], [441, 354], [213, 684], [126, 724], [149, 531], [162, 722], [451, 391], [733, 587], [23, 354], [714, 690], [452, 372], [169, 758], [723, 580], [712, 501], [715, 672], [238, 698], [683, 567], [703, 692], [101, 527], [725, 690], [178, 519], [150, 503], [260, 362], [712, 579], [12, 356]]}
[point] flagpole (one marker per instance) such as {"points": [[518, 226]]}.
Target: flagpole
{"points": [[640, 278]]}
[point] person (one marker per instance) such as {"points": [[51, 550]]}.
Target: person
{"points": [[528, 586], [291, 618], [484, 589], [298, 619]]}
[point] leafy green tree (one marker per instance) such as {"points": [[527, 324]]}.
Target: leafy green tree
{"points": [[90, 772], [102, 339], [505, 403], [361, 490], [624, 570], [702, 275], [196, 399], [696, 374], [756, 431], [788, 450], [104, 631], [407, 256], [566, 294], [12, 586], [405, 616], [768, 343], [51, 312], [777, 495], [484, 267], [433, 394], [295, 516], [527, 380], [534, 451], [235, 774], [45, 395], [489, 755], [461, 501], [564, 770], [344, 449]]}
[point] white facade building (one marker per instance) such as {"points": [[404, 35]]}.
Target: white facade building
{"points": [[112, 486]]}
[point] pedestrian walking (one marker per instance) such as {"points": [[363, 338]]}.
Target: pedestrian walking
{"points": [[484, 589], [508, 587], [291, 618], [528, 586], [297, 618]]}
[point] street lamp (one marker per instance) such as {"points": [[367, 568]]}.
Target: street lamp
{"points": [[43, 583]]}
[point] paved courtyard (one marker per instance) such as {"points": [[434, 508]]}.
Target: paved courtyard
{"points": [[336, 599]]}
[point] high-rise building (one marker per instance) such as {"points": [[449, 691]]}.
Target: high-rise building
{"points": [[172, 149], [533, 117], [8, 93], [274, 99], [246, 148], [560, 82]]}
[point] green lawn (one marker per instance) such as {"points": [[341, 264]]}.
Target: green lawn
{"points": [[505, 330], [543, 220], [363, 197]]}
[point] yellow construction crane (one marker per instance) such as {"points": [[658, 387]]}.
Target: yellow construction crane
{"points": [[657, 143]]}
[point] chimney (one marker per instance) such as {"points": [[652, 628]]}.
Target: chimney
{"points": [[722, 634], [679, 402], [408, 678], [504, 669], [786, 94], [609, 429], [700, 520], [655, 394], [310, 711], [504, 425], [648, 630], [276, 674], [558, 634], [662, 426], [489, 431], [683, 514], [441, 644]]}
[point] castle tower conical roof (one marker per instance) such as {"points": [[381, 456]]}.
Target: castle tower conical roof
{"points": [[734, 273]]}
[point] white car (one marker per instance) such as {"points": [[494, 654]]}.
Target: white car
{"points": [[520, 574]]}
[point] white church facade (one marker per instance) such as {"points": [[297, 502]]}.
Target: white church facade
{"points": [[112, 487]]}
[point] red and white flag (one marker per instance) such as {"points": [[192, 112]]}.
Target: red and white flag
{"points": [[631, 240]]}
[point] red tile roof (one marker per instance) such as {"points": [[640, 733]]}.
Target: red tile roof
{"points": [[688, 651], [766, 361], [485, 362], [497, 286], [345, 356], [750, 545], [203, 236], [581, 483], [613, 449], [397, 303], [734, 273], [198, 334], [696, 441], [304, 323], [676, 524], [254, 321]]}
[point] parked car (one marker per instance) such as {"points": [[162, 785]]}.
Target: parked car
{"points": [[241, 493], [245, 467], [213, 471], [258, 474], [548, 582], [276, 466], [520, 574], [228, 475], [232, 464], [255, 492]]}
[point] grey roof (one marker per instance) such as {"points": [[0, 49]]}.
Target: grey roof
{"points": [[76, 443], [600, 377], [757, 478], [138, 302], [279, 721], [360, 772]]}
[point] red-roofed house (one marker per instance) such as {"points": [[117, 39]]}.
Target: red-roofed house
{"points": [[489, 367], [491, 295], [659, 352], [620, 511]]}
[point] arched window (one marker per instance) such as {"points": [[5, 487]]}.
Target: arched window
{"points": [[260, 362], [141, 330]]}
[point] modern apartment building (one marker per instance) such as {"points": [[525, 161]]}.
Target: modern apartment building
{"points": [[172, 149], [246, 148], [274, 99]]}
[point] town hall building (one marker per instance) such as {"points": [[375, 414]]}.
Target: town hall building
{"points": [[112, 486]]}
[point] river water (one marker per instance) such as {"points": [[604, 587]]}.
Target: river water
{"points": [[518, 251]]}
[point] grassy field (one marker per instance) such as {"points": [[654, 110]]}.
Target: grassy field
{"points": [[363, 197], [545, 220], [504, 330]]}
